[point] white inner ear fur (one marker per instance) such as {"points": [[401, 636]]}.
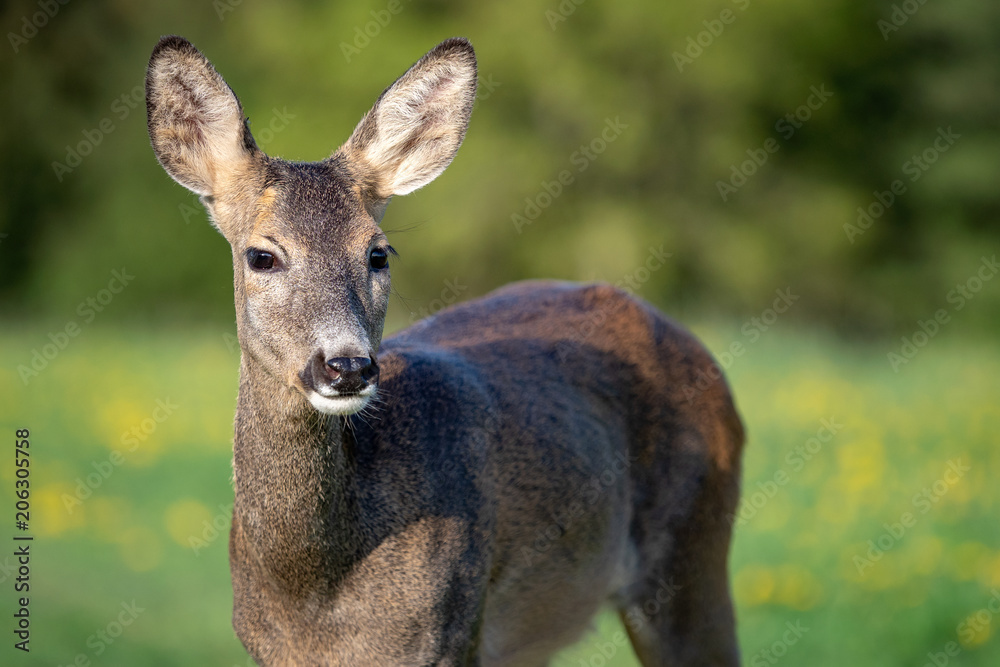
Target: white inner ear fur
{"points": [[419, 124], [199, 127], [419, 127]]}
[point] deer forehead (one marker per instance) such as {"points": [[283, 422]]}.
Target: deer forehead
{"points": [[309, 214]]}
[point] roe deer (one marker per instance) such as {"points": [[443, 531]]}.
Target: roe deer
{"points": [[530, 456]]}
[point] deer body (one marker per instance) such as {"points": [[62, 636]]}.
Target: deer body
{"points": [[531, 455]]}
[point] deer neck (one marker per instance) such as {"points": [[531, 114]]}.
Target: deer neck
{"points": [[294, 484]]}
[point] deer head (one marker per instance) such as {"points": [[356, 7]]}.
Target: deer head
{"points": [[310, 262]]}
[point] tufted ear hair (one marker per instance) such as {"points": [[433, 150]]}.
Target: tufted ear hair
{"points": [[416, 126], [197, 126]]}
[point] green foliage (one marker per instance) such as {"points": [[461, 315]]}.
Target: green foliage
{"points": [[551, 79]]}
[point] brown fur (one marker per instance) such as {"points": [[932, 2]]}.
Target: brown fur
{"points": [[530, 455]]}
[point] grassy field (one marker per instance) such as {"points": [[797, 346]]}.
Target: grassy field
{"points": [[131, 446]]}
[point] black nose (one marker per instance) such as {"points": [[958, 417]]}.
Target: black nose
{"points": [[350, 374]]}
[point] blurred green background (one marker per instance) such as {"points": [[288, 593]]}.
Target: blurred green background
{"points": [[843, 154]]}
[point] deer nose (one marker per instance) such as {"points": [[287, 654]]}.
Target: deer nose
{"points": [[350, 374]]}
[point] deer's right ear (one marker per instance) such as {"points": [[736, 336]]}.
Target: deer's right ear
{"points": [[196, 124], [416, 126]]}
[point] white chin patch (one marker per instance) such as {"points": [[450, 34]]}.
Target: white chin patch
{"points": [[340, 405]]}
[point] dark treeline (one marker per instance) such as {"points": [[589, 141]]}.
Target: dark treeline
{"points": [[710, 156]]}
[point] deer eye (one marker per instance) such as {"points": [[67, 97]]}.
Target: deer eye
{"points": [[378, 258], [260, 260]]}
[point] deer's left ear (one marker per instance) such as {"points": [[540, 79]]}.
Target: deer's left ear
{"points": [[196, 124], [416, 126]]}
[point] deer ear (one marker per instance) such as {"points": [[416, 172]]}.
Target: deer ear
{"points": [[196, 124], [416, 126]]}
